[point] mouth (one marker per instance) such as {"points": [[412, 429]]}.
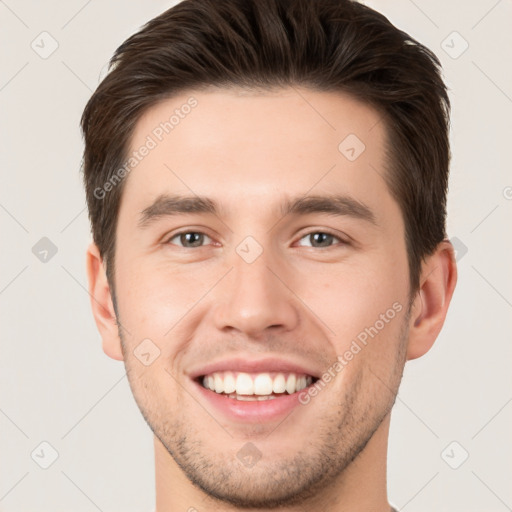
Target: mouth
{"points": [[251, 387], [248, 390], [252, 398]]}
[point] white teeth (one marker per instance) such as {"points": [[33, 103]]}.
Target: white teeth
{"points": [[279, 385], [301, 383], [235, 384], [246, 398], [219, 383], [244, 384], [229, 383], [263, 384], [291, 383], [252, 398]]}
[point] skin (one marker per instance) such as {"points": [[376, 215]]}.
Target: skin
{"points": [[250, 151]]}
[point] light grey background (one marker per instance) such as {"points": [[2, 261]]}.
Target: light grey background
{"points": [[56, 385]]}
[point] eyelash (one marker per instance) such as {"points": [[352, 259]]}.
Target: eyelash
{"points": [[325, 232]]}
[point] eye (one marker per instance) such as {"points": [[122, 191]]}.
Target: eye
{"points": [[320, 239], [189, 239]]}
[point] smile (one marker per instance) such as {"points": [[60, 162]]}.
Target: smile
{"points": [[248, 390], [255, 386]]}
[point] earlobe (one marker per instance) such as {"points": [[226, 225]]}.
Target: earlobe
{"points": [[430, 306], [101, 304]]}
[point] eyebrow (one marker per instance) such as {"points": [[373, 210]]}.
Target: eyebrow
{"points": [[166, 205], [339, 205]]}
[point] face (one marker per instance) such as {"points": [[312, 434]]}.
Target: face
{"points": [[259, 250]]}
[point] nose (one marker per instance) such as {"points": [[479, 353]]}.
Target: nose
{"points": [[255, 298]]}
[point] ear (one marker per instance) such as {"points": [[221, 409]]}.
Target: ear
{"points": [[430, 306], [101, 303]]}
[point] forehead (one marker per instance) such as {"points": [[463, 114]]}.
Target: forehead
{"points": [[245, 146]]}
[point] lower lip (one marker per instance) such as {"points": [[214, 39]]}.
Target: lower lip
{"points": [[251, 411]]}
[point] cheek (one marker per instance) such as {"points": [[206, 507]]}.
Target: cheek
{"points": [[365, 303], [356, 296], [152, 299]]}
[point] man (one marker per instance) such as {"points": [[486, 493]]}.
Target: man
{"points": [[266, 183]]}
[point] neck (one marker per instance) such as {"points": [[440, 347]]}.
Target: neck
{"points": [[361, 487]]}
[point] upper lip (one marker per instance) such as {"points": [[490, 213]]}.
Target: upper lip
{"points": [[246, 365]]}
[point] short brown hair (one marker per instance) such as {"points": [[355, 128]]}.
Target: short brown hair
{"points": [[325, 45]]}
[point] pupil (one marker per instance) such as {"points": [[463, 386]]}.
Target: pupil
{"points": [[322, 238], [193, 239]]}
